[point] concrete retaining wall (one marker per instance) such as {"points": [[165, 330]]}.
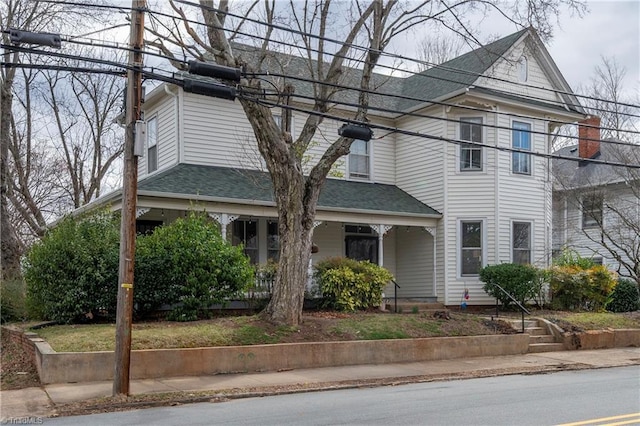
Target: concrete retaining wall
{"points": [[602, 339], [64, 367]]}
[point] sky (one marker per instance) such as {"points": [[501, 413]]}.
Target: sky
{"points": [[610, 29]]}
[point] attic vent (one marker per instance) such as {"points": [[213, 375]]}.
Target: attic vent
{"points": [[573, 150]]}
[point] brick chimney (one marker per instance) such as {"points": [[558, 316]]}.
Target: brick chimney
{"points": [[589, 137]]}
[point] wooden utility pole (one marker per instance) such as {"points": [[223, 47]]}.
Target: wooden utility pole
{"points": [[124, 311]]}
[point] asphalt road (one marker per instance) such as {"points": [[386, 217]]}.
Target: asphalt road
{"points": [[604, 396]]}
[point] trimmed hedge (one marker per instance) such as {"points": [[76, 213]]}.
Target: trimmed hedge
{"points": [[349, 285], [625, 297], [72, 272], [520, 281], [189, 265]]}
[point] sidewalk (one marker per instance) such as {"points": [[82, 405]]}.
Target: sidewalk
{"points": [[41, 402]]}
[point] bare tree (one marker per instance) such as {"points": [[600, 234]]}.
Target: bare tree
{"points": [[33, 176], [435, 49], [372, 24]]}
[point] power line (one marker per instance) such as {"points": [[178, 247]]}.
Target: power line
{"points": [[390, 129], [149, 74], [366, 49], [394, 56]]}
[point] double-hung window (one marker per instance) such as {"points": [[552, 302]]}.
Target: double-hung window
{"points": [[359, 160], [521, 242], [245, 232], [471, 154], [273, 241], [592, 211], [152, 145], [470, 247], [521, 139]]}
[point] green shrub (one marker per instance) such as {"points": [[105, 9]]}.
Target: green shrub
{"points": [[520, 281], [349, 285], [12, 301], [572, 258], [625, 297], [576, 288], [73, 271], [188, 265]]}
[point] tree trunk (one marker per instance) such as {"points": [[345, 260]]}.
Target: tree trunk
{"points": [[11, 248]]}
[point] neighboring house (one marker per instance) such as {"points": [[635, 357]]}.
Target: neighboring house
{"points": [[431, 211], [596, 207]]}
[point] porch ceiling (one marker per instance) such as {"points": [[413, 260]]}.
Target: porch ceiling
{"points": [[253, 188]]}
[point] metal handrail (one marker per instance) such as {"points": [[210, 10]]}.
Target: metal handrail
{"points": [[395, 296], [523, 310]]}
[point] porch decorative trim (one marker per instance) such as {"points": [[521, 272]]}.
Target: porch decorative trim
{"points": [[223, 219], [142, 210]]}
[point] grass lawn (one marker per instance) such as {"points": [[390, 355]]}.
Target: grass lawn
{"points": [[316, 327]]}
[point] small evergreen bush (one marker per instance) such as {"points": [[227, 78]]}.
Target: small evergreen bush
{"points": [[349, 285], [520, 281], [188, 265], [72, 272], [625, 297]]}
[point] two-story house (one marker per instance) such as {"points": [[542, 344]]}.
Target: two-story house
{"points": [[596, 206], [458, 188]]}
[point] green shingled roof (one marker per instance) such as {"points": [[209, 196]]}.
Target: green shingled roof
{"points": [[445, 78], [252, 185]]}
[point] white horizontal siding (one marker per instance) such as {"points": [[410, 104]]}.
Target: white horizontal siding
{"points": [[419, 160], [166, 115], [414, 263], [507, 69]]}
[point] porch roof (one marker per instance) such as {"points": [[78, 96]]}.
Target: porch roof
{"points": [[251, 186]]}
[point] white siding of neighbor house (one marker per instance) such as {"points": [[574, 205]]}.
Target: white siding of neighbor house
{"points": [[165, 112], [618, 195]]}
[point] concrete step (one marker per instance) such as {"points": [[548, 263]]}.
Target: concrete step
{"points": [[535, 348], [536, 331], [547, 338]]}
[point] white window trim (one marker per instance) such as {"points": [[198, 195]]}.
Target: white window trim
{"points": [[483, 254], [150, 145], [483, 156], [596, 225], [531, 157], [531, 241], [371, 162]]}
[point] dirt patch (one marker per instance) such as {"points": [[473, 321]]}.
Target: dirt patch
{"points": [[18, 370]]}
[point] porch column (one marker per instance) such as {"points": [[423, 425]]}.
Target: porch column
{"points": [[432, 231], [381, 230], [310, 267], [223, 219]]}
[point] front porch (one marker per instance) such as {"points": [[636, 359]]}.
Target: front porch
{"points": [[361, 220]]}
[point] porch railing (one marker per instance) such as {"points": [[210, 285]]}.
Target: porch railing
{"points": [[395, 296]]}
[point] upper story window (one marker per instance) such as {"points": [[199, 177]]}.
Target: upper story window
{"points": [[470, 154], [521, 139], [523, 69], [359, 160], [470, 247], [152, 145], [245, 232], [592, 211], [521, 242]]}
